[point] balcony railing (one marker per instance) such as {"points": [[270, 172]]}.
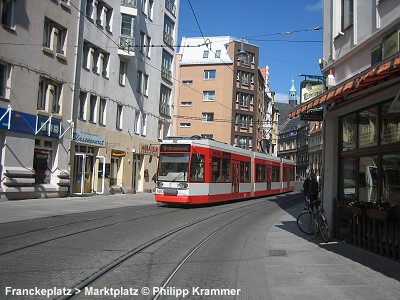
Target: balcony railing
{"points": [[165, 109], [166, 73], [129, 3], [170, 5], [168, 39], [127, 43]]}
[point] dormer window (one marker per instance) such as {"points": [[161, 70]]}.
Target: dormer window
{"points": [[205, 54]]}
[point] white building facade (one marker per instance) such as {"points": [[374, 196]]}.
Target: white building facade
{"points": [[97, 79]]}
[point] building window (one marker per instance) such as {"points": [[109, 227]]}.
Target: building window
{"points": [[102, 111], [92, 108], [145, 84], [139, 82], [166, 64], [148, 46], [244, 100], [218, 54], [127, 25], [144, 124], [49, 96], [150, 10], [209, 96], [85, 56], [205, 54], [82, 106], [169, 27], [142, 41], [209, 74], [347, 13], [89, 9], [187, 82], [207, 117], [3, 80], [245, 78], [119, 117], [137, 122], [8, 13], [186, 103], [54, 37], [244, 121], [184, 125], [122, 72]]}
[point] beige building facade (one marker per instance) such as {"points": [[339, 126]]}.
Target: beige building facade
{"points": [[217, 94]]}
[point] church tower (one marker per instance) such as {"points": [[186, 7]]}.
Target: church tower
{"points": [[293, 95]]}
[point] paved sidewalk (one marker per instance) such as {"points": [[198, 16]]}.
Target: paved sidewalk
{"points": [[300, 266]]}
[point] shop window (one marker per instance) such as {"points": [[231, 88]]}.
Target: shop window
{"points": [[391, 178], [367, 128], [349, 132], [390, 124], [367, 178], [197, 168]]}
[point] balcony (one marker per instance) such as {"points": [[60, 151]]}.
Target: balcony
{"points": [[129, 3], [165, 109], [170, 6], [166, 74], [168, 39], [126, 46]]}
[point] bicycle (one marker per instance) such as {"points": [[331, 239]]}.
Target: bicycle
{"points": [[313, 221]]}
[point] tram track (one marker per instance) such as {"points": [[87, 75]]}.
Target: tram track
{"points": [[73, 233], [139, 249]]}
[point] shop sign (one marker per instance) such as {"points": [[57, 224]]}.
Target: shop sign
{"points": [[30, 124], [391, 44], [311, 89], [148, 149], [118, 153], [89, 138], [312, 115]]}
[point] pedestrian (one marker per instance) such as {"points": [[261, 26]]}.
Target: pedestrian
{"points": [[313, 189]]}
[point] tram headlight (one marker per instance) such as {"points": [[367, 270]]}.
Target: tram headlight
{"points": [[182, 185], [159, 184]]}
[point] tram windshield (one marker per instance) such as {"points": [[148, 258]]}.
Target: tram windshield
{"points": [[173, 167]]}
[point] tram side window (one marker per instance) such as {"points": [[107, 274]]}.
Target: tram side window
{"points": [[260, 173], [221, 169], [244, 171], [276, 174], [197, 168]]}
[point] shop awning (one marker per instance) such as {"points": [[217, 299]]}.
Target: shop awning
{"points": [[385, 71]]}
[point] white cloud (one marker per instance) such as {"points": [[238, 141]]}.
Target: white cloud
{"points": [[314, 7], [280, 97]]}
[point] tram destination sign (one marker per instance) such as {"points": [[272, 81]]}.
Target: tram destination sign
{"points": [[312, 115], [175, 148]]}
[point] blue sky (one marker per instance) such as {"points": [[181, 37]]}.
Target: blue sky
{"points": [[263, 24]]}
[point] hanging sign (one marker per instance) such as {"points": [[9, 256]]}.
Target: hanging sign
{"points": [[312, 115]]}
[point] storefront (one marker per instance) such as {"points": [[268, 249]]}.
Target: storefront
{"points": [[89, 168], [361, 165]]}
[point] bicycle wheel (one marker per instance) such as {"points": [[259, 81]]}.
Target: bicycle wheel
{"points": [[324, 228], [306, 222]]}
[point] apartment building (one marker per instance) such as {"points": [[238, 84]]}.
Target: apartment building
{"points": [[217, 94], [99, 92], [37, 66], [361, 127]]}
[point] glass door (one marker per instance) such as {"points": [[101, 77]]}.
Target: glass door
{"points": [[99, 168], [79, 173], [235, 177]]}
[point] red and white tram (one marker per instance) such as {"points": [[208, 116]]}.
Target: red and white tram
{"points": [[198, 171]]}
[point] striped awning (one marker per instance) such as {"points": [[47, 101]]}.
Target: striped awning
{"points": [[385, 71]]}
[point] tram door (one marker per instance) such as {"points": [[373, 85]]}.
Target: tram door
{"points": [[269, 177], [235, 177]]}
